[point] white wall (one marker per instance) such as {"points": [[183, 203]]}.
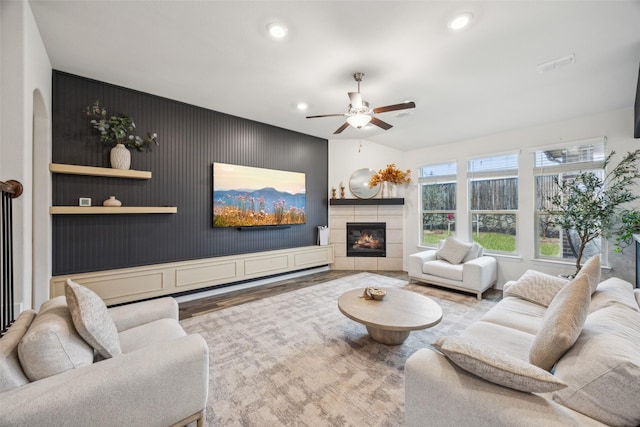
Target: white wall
{"points": [[25, 75], [617, 126]]}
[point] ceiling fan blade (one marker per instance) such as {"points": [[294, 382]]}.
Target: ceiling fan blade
{"points": [[380, 123], [326, 115], [341, 128], [356, 99], [403, 106]]}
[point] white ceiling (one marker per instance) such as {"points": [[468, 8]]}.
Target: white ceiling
{"points": [[218, 55]]}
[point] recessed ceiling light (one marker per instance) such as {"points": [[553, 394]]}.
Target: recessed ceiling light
{"points": [[460, 21], [302, 106], [277, 31]]}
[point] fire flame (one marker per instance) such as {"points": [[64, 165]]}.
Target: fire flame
{"points": [[367, 241]]}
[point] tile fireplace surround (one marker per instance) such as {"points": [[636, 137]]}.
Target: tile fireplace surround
{"points": [[340, 215]]}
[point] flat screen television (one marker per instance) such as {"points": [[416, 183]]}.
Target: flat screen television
{"points": [[636, 131], [245, 196]]}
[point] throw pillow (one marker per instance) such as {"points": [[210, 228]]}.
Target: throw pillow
{"points": [[591, 269], [92, 320], [473, 253], [536, 287], [561, 323], [11, 373], [52, 345], [453, 250], [497, 367], [602, 369]]}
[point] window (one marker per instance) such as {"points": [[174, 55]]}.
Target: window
{"points": [[559, 164], [493, 202], [438, 202]]}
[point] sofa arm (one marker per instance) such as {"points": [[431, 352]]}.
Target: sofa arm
{"points": [[438, 393], [418, 259], [139, 313], [480, 272], [158, 385]]}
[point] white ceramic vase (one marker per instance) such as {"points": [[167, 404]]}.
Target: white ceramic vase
{"points": [[388, 190], [120, 157], [112, 202]]}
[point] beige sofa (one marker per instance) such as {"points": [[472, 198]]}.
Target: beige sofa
{"points": [[48, 376], [601, 370], [473, 273]]}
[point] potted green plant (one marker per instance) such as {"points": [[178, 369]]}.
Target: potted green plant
{"points": [[117, 131], [592, 206]]}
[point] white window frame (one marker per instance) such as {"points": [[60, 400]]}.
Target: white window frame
{"points": [[493, 173], [445, 178], [598, 147]]}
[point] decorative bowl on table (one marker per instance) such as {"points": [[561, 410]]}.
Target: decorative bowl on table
{"points": [[376, 293]]}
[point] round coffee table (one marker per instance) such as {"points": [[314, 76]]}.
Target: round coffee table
{"points": [[391, 320]]}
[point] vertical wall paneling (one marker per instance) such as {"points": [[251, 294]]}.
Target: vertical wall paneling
{"points": [[191, 139]]}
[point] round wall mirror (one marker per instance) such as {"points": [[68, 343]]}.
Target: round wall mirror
{"points": [[359, 184]]}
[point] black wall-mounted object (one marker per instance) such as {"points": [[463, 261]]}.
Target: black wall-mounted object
{"points": [[636, 132], [190, 140]]}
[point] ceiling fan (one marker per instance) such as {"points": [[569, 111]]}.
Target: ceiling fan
{"points": [[359, 113]]}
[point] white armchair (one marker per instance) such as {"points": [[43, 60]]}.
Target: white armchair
{"points": [[474, 273]]}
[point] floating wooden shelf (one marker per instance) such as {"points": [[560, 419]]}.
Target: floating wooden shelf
{"points": [[88, 210], [96, 171], [343, 202]]}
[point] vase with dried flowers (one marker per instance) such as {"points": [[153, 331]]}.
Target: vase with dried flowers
{"points": [[388, 178], [117, 131]]}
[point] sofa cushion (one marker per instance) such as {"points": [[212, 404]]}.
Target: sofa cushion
{"points": [[592, 270], [52, 344], [613, 291], [453, 250], [496, 366], [535, 286], [516, 313], [443, 269], [11, 373], [150, 333], [602, 368], [503, 338], [562, 323], [92, 320]]}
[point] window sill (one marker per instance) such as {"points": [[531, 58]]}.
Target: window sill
{"points": [[548, 262]]}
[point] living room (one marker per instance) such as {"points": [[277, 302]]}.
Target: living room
{"points": [[31, 104]]}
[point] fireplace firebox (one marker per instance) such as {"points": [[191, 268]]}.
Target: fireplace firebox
{"points": [[366, 239]]}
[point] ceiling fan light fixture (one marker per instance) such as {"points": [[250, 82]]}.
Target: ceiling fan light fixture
{"points": [[277, 31], [359, 120], [460, 21]]}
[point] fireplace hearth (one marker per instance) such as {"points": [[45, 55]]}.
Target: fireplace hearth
{"points": [[366, 239]]}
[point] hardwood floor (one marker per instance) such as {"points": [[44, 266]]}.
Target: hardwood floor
{"points": [[218, 302]]}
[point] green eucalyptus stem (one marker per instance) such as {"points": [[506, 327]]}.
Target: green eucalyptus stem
{"points": [[118, 129]]}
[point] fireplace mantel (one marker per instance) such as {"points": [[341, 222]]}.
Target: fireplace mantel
{"points": [[361, 202]]}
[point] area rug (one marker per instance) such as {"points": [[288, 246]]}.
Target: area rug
{"points": [[295, 360]]}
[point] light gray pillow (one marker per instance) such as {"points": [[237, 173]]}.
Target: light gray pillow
{"points": [[602, 368], [591, 269], [92, 320], [52, 345], [473, 253], [11, 373], [561, 323], [535, 286], [453, 250], [496, 366]]}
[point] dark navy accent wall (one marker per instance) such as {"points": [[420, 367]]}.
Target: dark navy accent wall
{"points": [[191, 139]]}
